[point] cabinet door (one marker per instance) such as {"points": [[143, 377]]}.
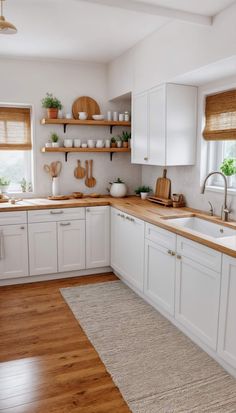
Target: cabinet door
{"points": [[43, 248], [71, 245], [140, 129], [127, 247], [197, 299], [13, 251], [227, 324], [157, 123], [159, 283], [97, 237]]}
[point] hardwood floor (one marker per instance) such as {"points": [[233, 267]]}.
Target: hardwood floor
{"points": [[47, 363]]}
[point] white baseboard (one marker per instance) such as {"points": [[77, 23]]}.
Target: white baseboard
{"points": [[57, 276]]}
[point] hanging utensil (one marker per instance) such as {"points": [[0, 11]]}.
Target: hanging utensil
{"points": [[79, 172], [91, 180]]}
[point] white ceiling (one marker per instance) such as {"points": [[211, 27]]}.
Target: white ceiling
{"points": [[204, 7], [81, 30]]}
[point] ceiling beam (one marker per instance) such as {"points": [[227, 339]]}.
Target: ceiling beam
{"points": [[152, 9]]}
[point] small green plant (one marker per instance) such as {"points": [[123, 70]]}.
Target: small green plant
{"points": [[125, 136], [118, 138], [4, 181], [117, 181], [143, 188], [228, 166], [51, 102], [113, 140], [23, 185], [54, 137]]}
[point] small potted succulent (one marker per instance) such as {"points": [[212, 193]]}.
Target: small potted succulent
{"points": [[228, 168], [118, 142], [52, 104], [118, 188], [113, 142], [55, 140], [125, 138], [4, 184], [143, 191]]}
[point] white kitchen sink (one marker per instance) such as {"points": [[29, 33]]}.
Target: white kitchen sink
{"points": [[203, 227]]}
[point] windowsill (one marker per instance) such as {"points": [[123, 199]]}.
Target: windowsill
{"points": [[220, 189]]}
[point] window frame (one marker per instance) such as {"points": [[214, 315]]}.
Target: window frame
{"points": [[30, 154], [206, 146]]}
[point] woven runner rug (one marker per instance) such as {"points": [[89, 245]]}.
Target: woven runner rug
{"points": [[156, 367]]}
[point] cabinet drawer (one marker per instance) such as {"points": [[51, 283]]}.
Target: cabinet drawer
{"points": [[199, 253], [160, 236], [55, 215], [14, 217]]}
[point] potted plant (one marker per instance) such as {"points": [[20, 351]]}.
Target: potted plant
{"points": [[228, 168], [52, 104], [118, 142], [113, 142], [55, 139], [118, 188], [143, 191], [4, 184], [125, 138]]}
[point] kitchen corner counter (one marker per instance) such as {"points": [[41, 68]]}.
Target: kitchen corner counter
{"points": [[142, 209]]}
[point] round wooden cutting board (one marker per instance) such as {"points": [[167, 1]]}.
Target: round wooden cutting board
{"points": [[85, 104]]}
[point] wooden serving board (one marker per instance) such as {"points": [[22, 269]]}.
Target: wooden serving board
{"points": [[163, 186], [85, 104], [161, 201]]}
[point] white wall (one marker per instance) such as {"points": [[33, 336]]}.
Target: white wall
{"points": [[27, 81], [175, 49], [188, 179]]}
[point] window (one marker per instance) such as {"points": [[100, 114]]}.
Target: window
{"points": [[15, 147], [220, 132]]}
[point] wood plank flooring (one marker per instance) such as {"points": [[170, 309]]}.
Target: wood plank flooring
{"points": [[47, 364]]}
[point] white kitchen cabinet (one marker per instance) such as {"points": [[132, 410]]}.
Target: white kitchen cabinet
{"points": [[165, 120], [42, 248], [71, 245], [13, 251], [227, 324], [197, 291], [97, 237], [159, 283], [140, 129], [127, 247]]}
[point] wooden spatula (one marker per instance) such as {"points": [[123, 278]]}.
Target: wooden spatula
{"points": [[79, 171], [86, 173], [91, 180], [163, 186]]}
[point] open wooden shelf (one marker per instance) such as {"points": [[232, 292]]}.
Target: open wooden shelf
{"points": [[77, 122], [78, 150]]}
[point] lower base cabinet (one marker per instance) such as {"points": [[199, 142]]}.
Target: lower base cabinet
{"points": [[227, 321], [13, 251], [127, 247], [159, 283], [71, 245], [198, 290], [42, 248], [97, 237]]}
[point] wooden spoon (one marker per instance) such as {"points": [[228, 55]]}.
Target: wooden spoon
{"points": [[91, 181], [79, 172]]}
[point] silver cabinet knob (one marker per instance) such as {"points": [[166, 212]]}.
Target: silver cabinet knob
{"points": [[22, 228], [145, 158], [178, 257]]}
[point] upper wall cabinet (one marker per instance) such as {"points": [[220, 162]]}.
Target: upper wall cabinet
{"points": [[164, 126]]}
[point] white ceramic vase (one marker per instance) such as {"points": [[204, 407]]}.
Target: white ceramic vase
{"points": [[55, 186], [118, 190]]}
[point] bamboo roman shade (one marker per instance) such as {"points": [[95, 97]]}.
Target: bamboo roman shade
{"points": [[220, 115], [15, 128]]}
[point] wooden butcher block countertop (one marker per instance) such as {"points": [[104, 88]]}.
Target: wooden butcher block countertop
{"points": [[145, 210]]}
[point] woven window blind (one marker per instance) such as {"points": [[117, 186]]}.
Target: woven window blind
{"points": [[15, 128], [220, 115]]}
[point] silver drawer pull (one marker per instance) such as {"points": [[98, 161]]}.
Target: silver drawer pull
{"points": [[65, 224], [178, 257], [56, 212], [22, 228]]}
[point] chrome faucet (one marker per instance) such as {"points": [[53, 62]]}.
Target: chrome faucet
{"points": [[225, 211]]}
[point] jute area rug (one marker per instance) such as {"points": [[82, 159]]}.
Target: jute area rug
{"points": [[156, 367]]}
